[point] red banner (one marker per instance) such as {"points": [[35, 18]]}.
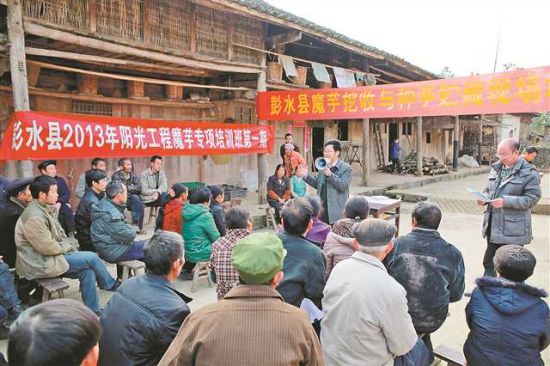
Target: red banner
{"points": [[521, 91], [36, 136]]}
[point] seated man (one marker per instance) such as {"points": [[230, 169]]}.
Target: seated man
{"points": [[509, 320], [96, 181], [251, 325], [112, 237], [81, 186], [304, 266], [57, 332], [125, 175], [367, 320], [44, 251], [239, 225], [142, 318], [65, 216], [18, 196], [430, 269], [10, 306], [153, 182], [217, 209]]}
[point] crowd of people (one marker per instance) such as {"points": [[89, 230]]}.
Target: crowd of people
{"points": [[370, 298]]}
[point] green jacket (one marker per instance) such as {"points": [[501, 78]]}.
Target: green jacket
{"points": [[199, 232], [111, 235], [41, 244]]}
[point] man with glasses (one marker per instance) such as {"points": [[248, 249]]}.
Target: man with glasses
{"points": [[512, 191]]}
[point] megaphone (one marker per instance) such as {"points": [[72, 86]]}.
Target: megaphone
{"points": [[321, 163]]}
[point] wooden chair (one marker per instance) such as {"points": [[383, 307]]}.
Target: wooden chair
{"points": [[153, 212], [201, 271], [131, 267], [51, 285], [449, 355]]}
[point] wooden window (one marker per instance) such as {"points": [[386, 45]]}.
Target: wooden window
{"points": [[428, 137], [94, 108]]}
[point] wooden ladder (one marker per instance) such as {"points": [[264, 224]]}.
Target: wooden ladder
{"points": [[379, 147]]}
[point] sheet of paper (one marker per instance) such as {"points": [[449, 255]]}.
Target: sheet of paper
{"points": [[479, 195], [312, 310]]}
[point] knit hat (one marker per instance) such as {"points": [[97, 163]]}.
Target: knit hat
{"points": [[374, 232], [258, 257], [514, 262]]}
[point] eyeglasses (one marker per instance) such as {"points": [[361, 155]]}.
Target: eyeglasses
{"points": [[498, 155]]}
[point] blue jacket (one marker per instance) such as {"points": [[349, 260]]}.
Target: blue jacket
{"points": [[432, 272], [394, 150], [140, 321], [509, 324]]}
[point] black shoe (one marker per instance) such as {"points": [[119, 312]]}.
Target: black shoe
{"points": [[115, 286]]}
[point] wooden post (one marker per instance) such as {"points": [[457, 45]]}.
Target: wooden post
{"points": [[479, 141], [366, 151], [262, 158], [18, 68], [419, 146], [455, 143]]}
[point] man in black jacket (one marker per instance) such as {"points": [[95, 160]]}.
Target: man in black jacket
{"points": [[125, 174], [96, 183], [17, 198], [145, 314], [430, 269], [217, 210]]}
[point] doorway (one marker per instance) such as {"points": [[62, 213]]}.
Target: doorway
{"points": [[393, 133], [317, 143]]}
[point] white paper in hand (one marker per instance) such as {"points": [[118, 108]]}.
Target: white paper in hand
{"points": [[313, 311]]}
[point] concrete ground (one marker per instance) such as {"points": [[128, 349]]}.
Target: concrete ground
{"points": [[463, 229]]}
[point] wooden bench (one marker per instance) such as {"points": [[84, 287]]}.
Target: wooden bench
{"points": [[451, 356], [51, 285], [131, 267], [201, 271]]}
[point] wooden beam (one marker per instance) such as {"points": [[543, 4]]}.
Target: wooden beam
{"points": [[391, 74], [67, 37], [419, 146], [136, 89], [262, 158], [33, 73], [82, 57], [456, 133], [131, 78], [118, 101], [281, 39], [366, 151], [18, 69]]}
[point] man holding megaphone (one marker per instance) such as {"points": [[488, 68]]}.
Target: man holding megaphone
{"points": [[332, 182]]}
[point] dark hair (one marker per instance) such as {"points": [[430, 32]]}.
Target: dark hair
{"points": [[279, 166], [336, 144], [514, 262], [201, 195], [154, 158], [41, 184], [530, 150], [122, 160], [15, 192], [163, 249], [296, 214], [114, 188], [97, 160], [94, 175], [57, 332], [315, 203], [215, 191], [427, 215], [237, 218], [356, 207], [287, 134]]}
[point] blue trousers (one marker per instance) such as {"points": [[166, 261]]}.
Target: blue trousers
{"points": [[136, 207], [135, 252], [8, 295], [417, 356], [89, 269]]}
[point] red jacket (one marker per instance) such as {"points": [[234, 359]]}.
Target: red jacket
{"points": [[172, 219]]}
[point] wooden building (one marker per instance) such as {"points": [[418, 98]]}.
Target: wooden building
{"points": [[189, 60]]}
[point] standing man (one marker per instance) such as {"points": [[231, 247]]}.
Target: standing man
{"points": [[289, 139], [332, 184], [18, 196], [97, 163], [44, 251], [395, 150], [153, 182], [125, 175], [513, 190], [96, 183], [65, 216], [367, 320]]}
